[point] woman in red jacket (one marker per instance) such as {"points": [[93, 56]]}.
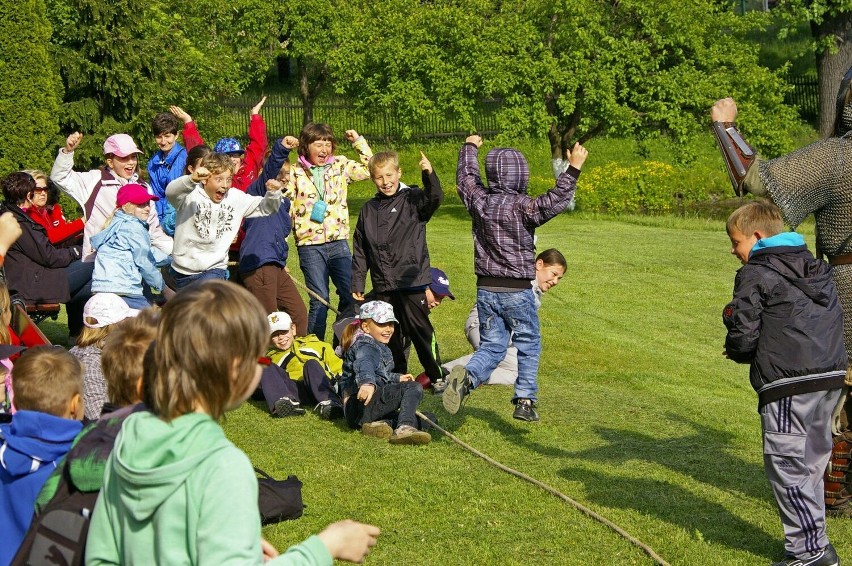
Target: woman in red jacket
{"points": [[49, 215]]}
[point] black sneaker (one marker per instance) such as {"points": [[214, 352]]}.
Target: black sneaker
{"points": [[525, 410], [329, 410], [825, 557], [458, 388], [439, 386], [286, 407]]}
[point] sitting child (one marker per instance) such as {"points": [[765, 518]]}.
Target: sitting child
{"points": [[372, 392], [48, 386], [209, 214], [301, 373], [100, 315]]}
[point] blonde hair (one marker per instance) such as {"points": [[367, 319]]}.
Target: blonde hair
{"points": [[37, 174], [217, 163], [123, 354], [756, 216], [5, 305], [204, 357], [348, 334], [381, 159], [93, 336], [45, 379]]}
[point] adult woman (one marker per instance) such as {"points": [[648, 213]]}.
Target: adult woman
{"points": [[39, 207], [36, 270]]}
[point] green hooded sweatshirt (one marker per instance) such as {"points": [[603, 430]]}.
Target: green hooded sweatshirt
{"points": [[179, 492]]}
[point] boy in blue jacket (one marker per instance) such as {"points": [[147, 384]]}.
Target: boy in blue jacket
{"points": [[786, 322], [165, 165], [48, 385]]}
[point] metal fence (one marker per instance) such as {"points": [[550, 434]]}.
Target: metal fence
{"points": [[804, 95]]}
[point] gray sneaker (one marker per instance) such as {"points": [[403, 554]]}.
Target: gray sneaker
{"points": [[439, 386], [458, 388], [286, 407], [825, 557], [525, 411], [377, 429], [407, 434]]}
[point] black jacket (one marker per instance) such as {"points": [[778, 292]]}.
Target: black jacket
{"points": [[786, 321], [35, 268], [390, 238]]}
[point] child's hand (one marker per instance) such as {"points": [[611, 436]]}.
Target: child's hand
{"points": [[274, 185], [269, 551], [256, 108], [180, 114], [73, 141], [406, 377], [290, 142], [356, 295], [352, 136], [200, 174], [348, 540], [475, 139], [577, 156], [724, 110], [365, 393], [424, 163]]}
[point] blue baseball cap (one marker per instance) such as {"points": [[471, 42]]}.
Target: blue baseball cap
{"points": [[440, 284], [229, 145]]}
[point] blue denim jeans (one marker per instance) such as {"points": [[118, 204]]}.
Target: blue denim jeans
{"points": [[318, 263], [182, 280], [501, 316]]}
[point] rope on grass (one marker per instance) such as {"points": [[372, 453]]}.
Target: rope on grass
{"points": [[576, 504]]}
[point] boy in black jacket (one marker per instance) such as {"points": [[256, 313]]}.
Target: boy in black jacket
{"points": [[390, 242], [786, 321]]}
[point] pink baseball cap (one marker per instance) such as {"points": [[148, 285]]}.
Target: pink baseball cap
{"points": [[135, 193], [120, 145]]}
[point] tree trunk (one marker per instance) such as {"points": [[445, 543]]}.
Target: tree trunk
{"points": [[306, 94], [832, 65]]}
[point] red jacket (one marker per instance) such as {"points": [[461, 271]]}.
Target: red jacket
{"points": [[58, 229], [255, 150]]}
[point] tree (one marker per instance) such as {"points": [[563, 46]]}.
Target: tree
{"points": [[30, 88]]}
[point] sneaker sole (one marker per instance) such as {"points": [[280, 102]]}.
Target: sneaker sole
{"points": [[287, 410], [418, 437], [526, 418], [377, 430], [451, 398]]}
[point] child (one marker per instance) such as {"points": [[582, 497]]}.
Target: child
{"points": [[550, 266], [785, 320], [504, 220], [165, 165], [49, 214], [247, 162], [390, 242], [317, 190], [100, 314], [302, 371], [203, 506], [209, 213], [48, 393], [124, 258], [372, 392], [96, 190], [122, 358]]}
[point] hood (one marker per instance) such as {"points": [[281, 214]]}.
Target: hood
{"points": [[118, 220], [153, 458], [507, 171], [33, 440], [787, 255]]}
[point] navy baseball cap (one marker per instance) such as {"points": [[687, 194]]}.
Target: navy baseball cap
{"points": [[441, 284]]}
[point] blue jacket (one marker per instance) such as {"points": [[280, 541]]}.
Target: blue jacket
{"points": [[367, 361], [124, 257], [266, 237], [162, 170], [33, 444]]}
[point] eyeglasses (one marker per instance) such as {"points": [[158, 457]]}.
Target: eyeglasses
{"points": [[264, 361], [40, 190]]}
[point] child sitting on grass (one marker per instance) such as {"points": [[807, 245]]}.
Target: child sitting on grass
{"points": [[48, 386], [372, 393], [301, 372]]}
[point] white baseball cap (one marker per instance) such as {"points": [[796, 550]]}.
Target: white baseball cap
{"points": [[106, 309], [279, 322]]}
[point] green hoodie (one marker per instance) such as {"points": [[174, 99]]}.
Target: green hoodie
{"points": [[179, 492]]}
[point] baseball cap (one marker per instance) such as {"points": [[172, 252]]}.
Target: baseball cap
{"points": [[106, 309], [440, 284], [377, 311], [120, 145], [135, 193], [279, 322], [228, 145]]}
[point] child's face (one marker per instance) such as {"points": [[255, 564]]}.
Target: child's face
{"points": [[236, 161], [319, 151], [741, 244], [547, 276], [216, 186], [166, 141], [140, 211], [124, 167], [386, 178], [283, 340], [381, 332]]}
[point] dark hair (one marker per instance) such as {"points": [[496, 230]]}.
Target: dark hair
{"points": [[165, 123], [195, 155], [313, 132], [16, 187], [552, 256]]}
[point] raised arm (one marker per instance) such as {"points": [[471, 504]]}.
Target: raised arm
{"points": [[354, 170], [468, 180], [77, 185], [432, 195]]}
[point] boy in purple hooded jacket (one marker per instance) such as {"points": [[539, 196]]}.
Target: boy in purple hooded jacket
{"points": [[504, 223]]}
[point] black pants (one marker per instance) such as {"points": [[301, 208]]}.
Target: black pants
{"points": [[313, 388], [414, 329], [403, 397]]}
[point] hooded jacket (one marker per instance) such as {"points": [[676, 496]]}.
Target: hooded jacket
{"points": [[504, 216], [33, 444], [786, 321], [179, 492], [124, 257]]}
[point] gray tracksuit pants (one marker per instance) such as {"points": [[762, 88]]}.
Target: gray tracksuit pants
{"points": [[796, 449]]}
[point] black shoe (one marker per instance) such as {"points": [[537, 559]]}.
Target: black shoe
{"points": [[525, 411], [458, 388], [439, 386], [825, 557], [329, 410], [286, 407]]}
